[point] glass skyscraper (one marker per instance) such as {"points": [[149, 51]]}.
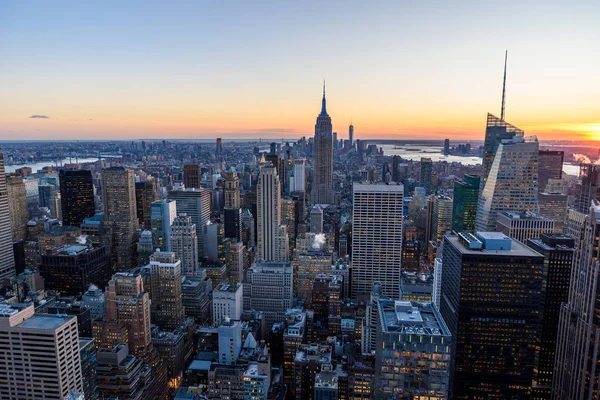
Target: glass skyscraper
{"points": [[464, 204]]}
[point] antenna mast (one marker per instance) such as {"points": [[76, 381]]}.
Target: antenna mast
{"points": [[504, 86]]}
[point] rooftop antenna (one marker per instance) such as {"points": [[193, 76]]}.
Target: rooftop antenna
{"points": [[503, 86]]}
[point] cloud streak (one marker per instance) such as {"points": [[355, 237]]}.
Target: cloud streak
{"points": [[40, 116]]}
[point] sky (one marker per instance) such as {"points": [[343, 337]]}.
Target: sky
{"points": [[254, 69]]}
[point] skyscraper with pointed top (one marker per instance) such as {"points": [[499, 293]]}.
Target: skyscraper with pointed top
{"points": [[322, 185]]}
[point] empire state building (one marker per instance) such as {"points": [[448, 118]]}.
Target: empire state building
{"points": [[322, 185]]}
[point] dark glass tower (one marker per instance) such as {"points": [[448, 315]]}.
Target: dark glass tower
{"points": [[491, 300], [558, 255], [77, 196], [464, 204], [550, 167], [426, 172], [496, 131]]}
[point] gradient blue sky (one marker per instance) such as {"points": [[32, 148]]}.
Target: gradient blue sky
{"points": [[254, 69]]}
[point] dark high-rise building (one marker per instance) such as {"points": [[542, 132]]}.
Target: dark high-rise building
{"points": [[196, 204], [191, 176], [322, 185], [446, 147], [550, 167], [464, 204], [576, 372], [589, 188], [426, 172], [351, 134], [396, 176], [411, 251], [219, 150], [558, 254], [7, 260], [145, 193], [71, 269], [45, 193], [491, 300], [76, 196]]}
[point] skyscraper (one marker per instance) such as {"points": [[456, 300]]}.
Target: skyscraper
{"points": [[589, 187], [76, 196], [118, 197], [426, 172], [550, 167], [40, 354], [167, 309], [464, 204], [299, 175], [377, 238], [7, 260], [17, 201], [232, 213], [496, 131], [322, 186], [446, 147], [184, 243], [554, 206], [146, 192], [191, 176], [271, 242], [492, 303], [576, 374], [442, 217], [162, 214], [126, 302], [558, 256], [351, 134], [196, 204], [524, 225], [511, 183]]}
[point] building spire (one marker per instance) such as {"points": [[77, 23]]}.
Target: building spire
{"points": [[323, 102], [503, 87]]}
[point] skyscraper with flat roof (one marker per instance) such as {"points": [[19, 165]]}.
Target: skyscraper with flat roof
{"points": [[191, 176], [322, 185], [7, 259], [184, 243], [464, 204], [426, 174], [196, 203], [377, 238], [162, 214], [272, 241], [167, 309], [40, 354], [17, 201], [76, 196], [492, 303], [551, 167]]}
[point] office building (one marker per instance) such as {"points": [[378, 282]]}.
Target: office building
{"points": [[248, 229], [492, 303], [442, 217], [196, 298], [40, 354], [588, 189], [127, 303], [162, 214], [576, 375], [76, 196], [191, 176], [87, 355], [45, 192], [227, 302], [426, 174], [523, 225], [412, 358], [236, 262], [17, 202], [120, 215], [146, 192], [120, 374], [316, 220], [554, 206], [310, 360], [550, 167], [196, 203], [377, 237], [230, 341], [93, 299], [272, 241], [299, 178], [231, 189], [322, 184], [71, 269], [496, 131], [184, 243], [145, 248], [176, 349], [512, 181], [446, 147], [307, 265], [558, 253], [167, 309], [464, 204], [268, 287]]}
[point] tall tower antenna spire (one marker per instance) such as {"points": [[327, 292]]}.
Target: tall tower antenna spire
{"points": [[323, 88], [504, 87]]}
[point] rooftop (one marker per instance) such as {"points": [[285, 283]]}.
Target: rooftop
{"points": [[46, 321], [515, 248], [406, 317]]}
